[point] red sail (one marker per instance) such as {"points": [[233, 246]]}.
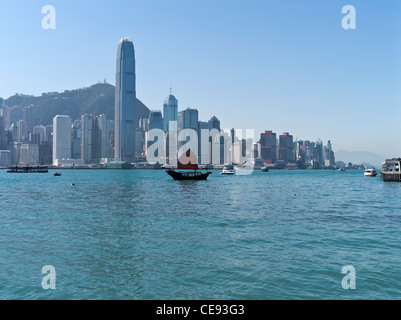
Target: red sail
{"points": [[188, 161]]}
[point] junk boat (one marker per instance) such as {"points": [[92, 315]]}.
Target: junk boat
{"points": [[391, 170], [27, 169], [370, 172], [188, 162]]}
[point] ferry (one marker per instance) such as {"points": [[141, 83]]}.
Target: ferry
{"points": [[370, 172], [27, 169], [391, 170]]}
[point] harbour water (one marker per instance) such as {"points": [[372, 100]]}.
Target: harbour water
{"points": [[138, 234]]}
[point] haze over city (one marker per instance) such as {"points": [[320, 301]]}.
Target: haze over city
{"points": [[281, 66]]}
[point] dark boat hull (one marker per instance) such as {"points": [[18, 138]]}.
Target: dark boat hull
{"points": [[28, 169], [196, 175]]}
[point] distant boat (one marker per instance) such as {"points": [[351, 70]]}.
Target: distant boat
{"points": [[27, 169], [370, 172], [342, 169], [57, 174], [188, 162], [264, 169], [226, 171]]}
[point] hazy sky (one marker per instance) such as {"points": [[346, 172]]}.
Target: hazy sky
{"points": [[281, 65]]}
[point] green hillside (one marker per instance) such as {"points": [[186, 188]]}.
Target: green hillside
{"points": [[97, 99]]}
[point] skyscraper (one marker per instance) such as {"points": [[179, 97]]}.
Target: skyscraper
{"points": [[125, 104], [155, 120], [268, 145], [61, 138], [286, 147], [87, 138], [170, 112], [170, 117], [214, 123], [188, 119]]}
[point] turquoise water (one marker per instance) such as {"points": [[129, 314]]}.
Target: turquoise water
{"points": [[140, 235]]}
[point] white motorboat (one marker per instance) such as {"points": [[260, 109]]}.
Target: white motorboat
{"points": [[226, 171], [370, 172]]}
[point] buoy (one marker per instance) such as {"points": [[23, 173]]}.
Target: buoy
{"points": [[73, 184]]}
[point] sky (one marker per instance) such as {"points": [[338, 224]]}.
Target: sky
{"points": [[281, 65]]}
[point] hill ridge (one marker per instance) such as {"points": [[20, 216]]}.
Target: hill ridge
{"points": [[96, 99]]}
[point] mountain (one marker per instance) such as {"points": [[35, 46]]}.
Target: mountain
{"points": [[360, 157], [97, 99]]}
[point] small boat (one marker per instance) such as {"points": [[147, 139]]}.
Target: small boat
{"points": [[342, 169], [57, 174], [264, 169], [227, 171], [188, 162], [370, 172]]}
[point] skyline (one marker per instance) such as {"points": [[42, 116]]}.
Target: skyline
{"points": [[306, 76]]}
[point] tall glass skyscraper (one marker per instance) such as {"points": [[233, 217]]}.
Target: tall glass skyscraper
{"points": [[125, 105], [170, 112]]}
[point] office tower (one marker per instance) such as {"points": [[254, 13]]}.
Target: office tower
{"points": [[13, 133], [5, 112], [38, 134], [29, 154], [203, 150], [214, 123], [331, 158], [61, 138], [5, 158], [3, 137], [170, 117], [15, 148], [268, 146], [87, 138], [300, 153], [29, 117], [125, 104], [22, 133], [170, 112], [49, 134], [286, 147], [188, 119], [318, 154], [155, 120], [103, 147], [16, 114]]}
